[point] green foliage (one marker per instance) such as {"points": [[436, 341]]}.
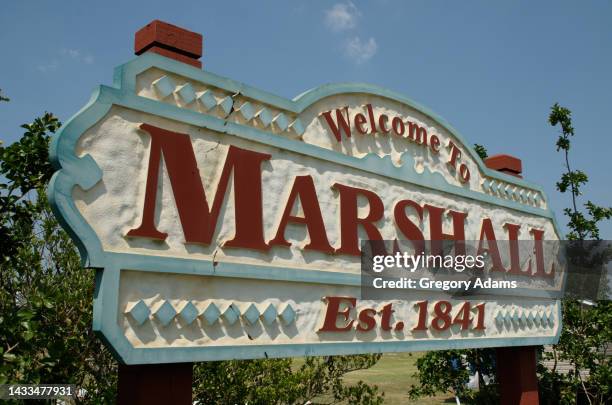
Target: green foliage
{"points": [[582, 225], [562, 116], [573, 180], [24, 167], [586, 225], [584, 342], [481, 151], [45, 295], [46, 308], [437, 373], [449, 371], [587, 331], [275, 381]]}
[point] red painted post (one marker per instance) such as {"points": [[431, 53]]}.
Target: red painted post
{"points": [[170, 41], [516, 366], [516, 375], [505, 164], [153, 384]]}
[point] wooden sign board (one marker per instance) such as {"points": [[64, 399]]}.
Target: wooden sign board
{"points": [[225, 222]]}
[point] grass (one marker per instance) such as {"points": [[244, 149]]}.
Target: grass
{"points": [[393, 374]]}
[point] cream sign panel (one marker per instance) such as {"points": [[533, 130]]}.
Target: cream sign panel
{"points": [[226, 222]]}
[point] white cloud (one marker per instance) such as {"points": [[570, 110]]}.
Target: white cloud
{"points": [[48, 67], [73, 53], [66, 54], [77, 55], [361, 51], [342, 16]]}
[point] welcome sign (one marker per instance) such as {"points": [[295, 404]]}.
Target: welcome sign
{"points": [[226, 222]]}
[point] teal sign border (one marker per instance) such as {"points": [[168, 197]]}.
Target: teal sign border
{"points": [[84, 172]]}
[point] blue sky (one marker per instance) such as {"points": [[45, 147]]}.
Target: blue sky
{"points": [[491, 69]]}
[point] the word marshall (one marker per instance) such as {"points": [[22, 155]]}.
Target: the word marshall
{"points": [[199, 213]]}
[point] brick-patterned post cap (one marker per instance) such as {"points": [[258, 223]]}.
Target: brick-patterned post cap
{"points": [[505, 164], [170, 41]]}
